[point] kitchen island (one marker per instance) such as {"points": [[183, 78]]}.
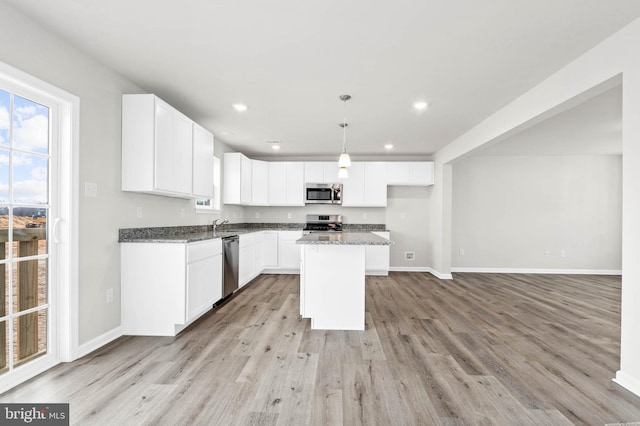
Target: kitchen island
{"points": [[332, 278]]}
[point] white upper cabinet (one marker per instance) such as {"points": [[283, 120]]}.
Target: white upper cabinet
{"points": [[313, 172], [259, 183], [321, 172], [366, 185], [353, 186], [331, 169], [157, 147], [237, 179], [202, 162], [281, 183], [295, 184], [278, 183], [375, 184], [286, 183], [412, 173]]}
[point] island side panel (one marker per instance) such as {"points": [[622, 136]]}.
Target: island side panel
{"points": [[334, 281]]}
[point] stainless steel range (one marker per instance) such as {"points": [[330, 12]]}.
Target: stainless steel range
{"points": [[323, 223]]}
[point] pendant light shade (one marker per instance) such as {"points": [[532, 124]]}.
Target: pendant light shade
{"points": [[344, 161]]}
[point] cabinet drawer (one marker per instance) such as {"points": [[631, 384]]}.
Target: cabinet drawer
{"points": [[201, 250]]}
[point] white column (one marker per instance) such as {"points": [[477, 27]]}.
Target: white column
{"points": [[629, 373]]}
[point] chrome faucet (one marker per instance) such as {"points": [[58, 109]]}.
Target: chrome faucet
{"points": [[216, 224]]}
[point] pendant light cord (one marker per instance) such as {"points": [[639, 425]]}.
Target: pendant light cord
{"points": [[344, 99], [344, 128]]}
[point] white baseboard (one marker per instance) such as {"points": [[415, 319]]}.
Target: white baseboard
{"points": [[539, 271], [628, 382], [98, 342], [421, 269]]}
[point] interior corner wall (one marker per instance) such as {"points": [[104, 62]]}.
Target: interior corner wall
{"points": [[538, 213]]}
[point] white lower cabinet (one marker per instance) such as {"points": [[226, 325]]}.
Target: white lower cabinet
{"points": [[247, 259], [377, 257], [269, 250], [166, 286], [204, 262], [289, 251]]}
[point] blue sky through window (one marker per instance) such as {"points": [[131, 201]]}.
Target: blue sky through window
{"points": [[29, 135]]}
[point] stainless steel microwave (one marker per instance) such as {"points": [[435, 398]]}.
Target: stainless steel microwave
{"points": [[323, 193]]}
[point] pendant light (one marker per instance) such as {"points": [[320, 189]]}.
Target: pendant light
{"points": [[344, 161]]}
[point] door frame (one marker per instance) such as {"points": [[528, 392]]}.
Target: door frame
{"points": [[65, 228]]}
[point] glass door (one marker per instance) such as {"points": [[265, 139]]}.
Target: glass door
{"points": [[25, 288]]}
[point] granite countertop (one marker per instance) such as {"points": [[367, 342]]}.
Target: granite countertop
{"points": [[195, 233], [358, 238]]}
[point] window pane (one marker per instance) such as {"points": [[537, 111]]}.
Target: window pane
{"points": [[4, 233], [5, 107], [4, 289], [30, 125], [29, 231], [4, 348], [29, 284], [30, 175], [30, 335], [4, 175]]}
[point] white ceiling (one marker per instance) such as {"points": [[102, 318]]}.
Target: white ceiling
{"points": [[289, 60], [593, 127]]}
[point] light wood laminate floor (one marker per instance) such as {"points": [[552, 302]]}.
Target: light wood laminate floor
{"points": [[481, 349]]}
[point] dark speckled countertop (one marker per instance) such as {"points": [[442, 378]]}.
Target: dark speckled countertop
{"points": [[344, 239], [190, 234]]}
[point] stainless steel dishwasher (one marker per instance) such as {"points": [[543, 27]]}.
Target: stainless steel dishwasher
{"points": [[231, 262]]}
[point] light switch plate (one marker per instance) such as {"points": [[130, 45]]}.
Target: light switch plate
{"points": [[90, 189]]}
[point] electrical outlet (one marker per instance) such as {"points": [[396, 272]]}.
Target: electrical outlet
{"points": [[182, 213], [257, 215], [364, 216], [409, 255], [109, 295], [547, 253], [461, 252], [288, 215], [403, 216], [563, 253], [139, 212]]}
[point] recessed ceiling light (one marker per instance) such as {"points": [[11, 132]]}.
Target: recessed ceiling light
{"points": [[240, 107], [275, 145], [420, 105], [388, 146]]}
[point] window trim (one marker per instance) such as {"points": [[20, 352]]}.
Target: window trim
{"points": [[214, 203]]}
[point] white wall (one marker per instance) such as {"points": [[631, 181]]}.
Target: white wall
{"points": [[299, 213], [509, 211], [408, 219], [26, 46]]}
